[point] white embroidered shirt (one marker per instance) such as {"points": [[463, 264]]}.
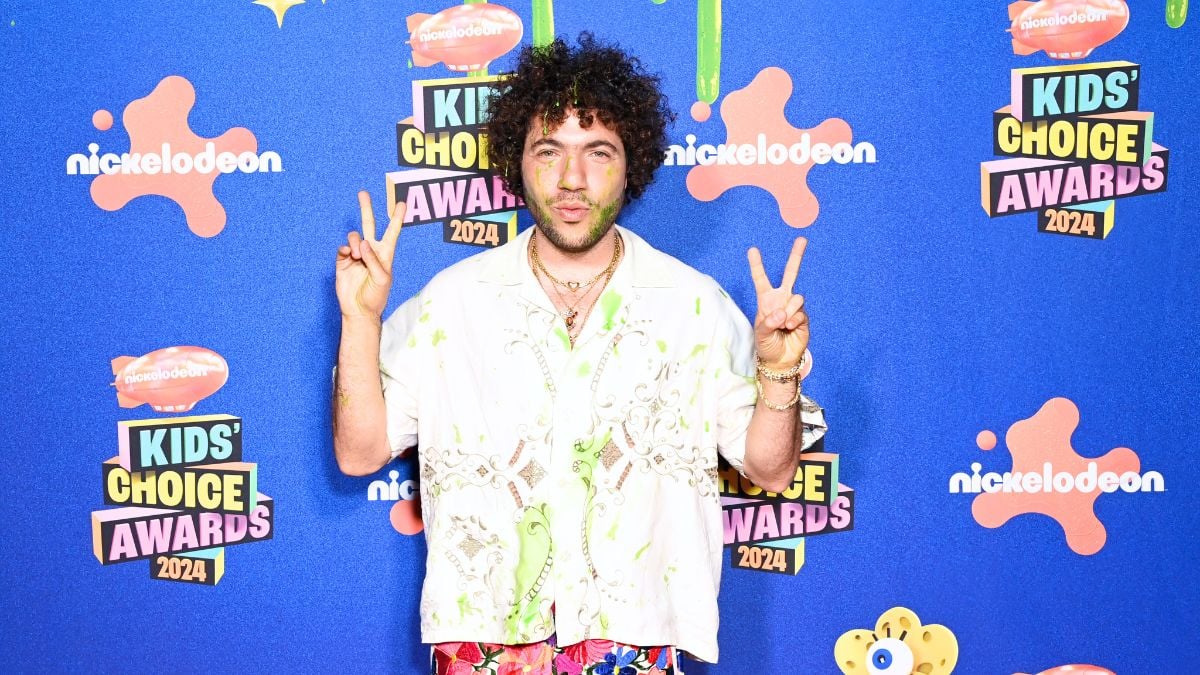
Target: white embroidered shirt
{"points": [[572, 491]]}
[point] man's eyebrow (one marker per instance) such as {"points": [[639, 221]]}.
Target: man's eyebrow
{"points": [[545, 141], [601, 144]]}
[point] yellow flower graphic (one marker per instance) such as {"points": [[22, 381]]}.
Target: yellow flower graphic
{"points": [[900, 645]]}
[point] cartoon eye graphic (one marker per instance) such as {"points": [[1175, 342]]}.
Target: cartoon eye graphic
{"points": [[889, 656]]}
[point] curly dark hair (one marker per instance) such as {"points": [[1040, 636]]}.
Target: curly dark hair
{"points": [[595, 80]]}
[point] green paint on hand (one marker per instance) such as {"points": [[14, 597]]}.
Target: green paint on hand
{"points": [[610, 302]]}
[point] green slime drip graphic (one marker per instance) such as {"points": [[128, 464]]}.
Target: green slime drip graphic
{"points": [[1176, 12], [708, 50], [543, 22], [482, 72]]}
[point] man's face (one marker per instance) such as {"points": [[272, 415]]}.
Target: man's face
{"points": [[574, 180]]}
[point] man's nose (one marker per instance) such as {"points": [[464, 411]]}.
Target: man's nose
{"points": [[572, 177]]}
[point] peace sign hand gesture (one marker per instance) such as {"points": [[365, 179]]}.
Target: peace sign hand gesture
{"points": [[364, 265], [781, 326]]}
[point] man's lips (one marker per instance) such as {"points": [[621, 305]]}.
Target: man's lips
{"points": [[571, 211]]}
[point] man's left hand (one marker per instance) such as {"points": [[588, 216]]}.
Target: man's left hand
{"points": [[781, 325]]}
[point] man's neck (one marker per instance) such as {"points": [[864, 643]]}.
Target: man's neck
{"points": [[576, 265]]}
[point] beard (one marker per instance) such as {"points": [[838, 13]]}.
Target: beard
{"points": [[603, 218]]}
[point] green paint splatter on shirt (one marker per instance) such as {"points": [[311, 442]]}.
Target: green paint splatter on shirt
{"points": [[584, 369], [609, 303], [457, 434], [612, 533], [438, 336], [662, 346], [412, 341], [698, 349], [424, 317], [683, 423], [562, 335], [706, 426], [641, 550], [535, 549], [697, 305]]}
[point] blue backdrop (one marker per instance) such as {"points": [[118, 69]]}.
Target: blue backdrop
{"points": [[931, 322]]}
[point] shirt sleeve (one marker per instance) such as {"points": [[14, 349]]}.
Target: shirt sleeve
{"points": [[399, 371], [737, 393]]}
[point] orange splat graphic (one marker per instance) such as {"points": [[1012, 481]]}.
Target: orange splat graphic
{"points": [[758, 109], [162, 118], [1046, 437]]}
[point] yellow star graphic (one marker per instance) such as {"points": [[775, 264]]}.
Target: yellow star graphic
{"points": [[280, 7]]}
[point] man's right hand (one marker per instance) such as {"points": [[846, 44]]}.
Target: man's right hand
{"points": [[364, 265]]}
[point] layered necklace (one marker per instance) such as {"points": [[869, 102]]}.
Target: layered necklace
{"points": [[571, 316]]}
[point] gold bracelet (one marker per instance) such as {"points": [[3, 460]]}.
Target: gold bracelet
{"points": [[775, 406], [779, 375]]}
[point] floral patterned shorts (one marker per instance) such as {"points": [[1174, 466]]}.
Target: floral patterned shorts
{"points": [[590, 657]]}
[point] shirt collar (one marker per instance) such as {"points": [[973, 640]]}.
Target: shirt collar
{"points": [[507, 266]]}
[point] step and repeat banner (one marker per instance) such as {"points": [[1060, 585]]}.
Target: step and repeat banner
{"points": [[1001, 277]]}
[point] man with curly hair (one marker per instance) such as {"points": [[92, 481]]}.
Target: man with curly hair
{"points": [[571, 391]]}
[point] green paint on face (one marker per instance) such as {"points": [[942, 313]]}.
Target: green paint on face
{"points": [[662, 346], [584, 369], [438, 336], [641, 550], [609, 303], [562, 335]]}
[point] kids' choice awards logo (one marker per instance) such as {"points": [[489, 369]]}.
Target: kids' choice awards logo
{"points": [[443, 146], [166, 158], [1073, 135], [1049, 477], [766, 531], [405, 514], [181, 487]]}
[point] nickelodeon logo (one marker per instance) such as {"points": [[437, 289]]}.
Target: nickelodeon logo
{"points": [[168, 159], [1050, 478]]}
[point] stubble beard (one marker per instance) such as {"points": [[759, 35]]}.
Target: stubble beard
{"points": [[605, 216]]}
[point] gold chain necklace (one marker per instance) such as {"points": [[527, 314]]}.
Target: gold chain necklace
{"points": [[572, 313], [574, 286]]}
